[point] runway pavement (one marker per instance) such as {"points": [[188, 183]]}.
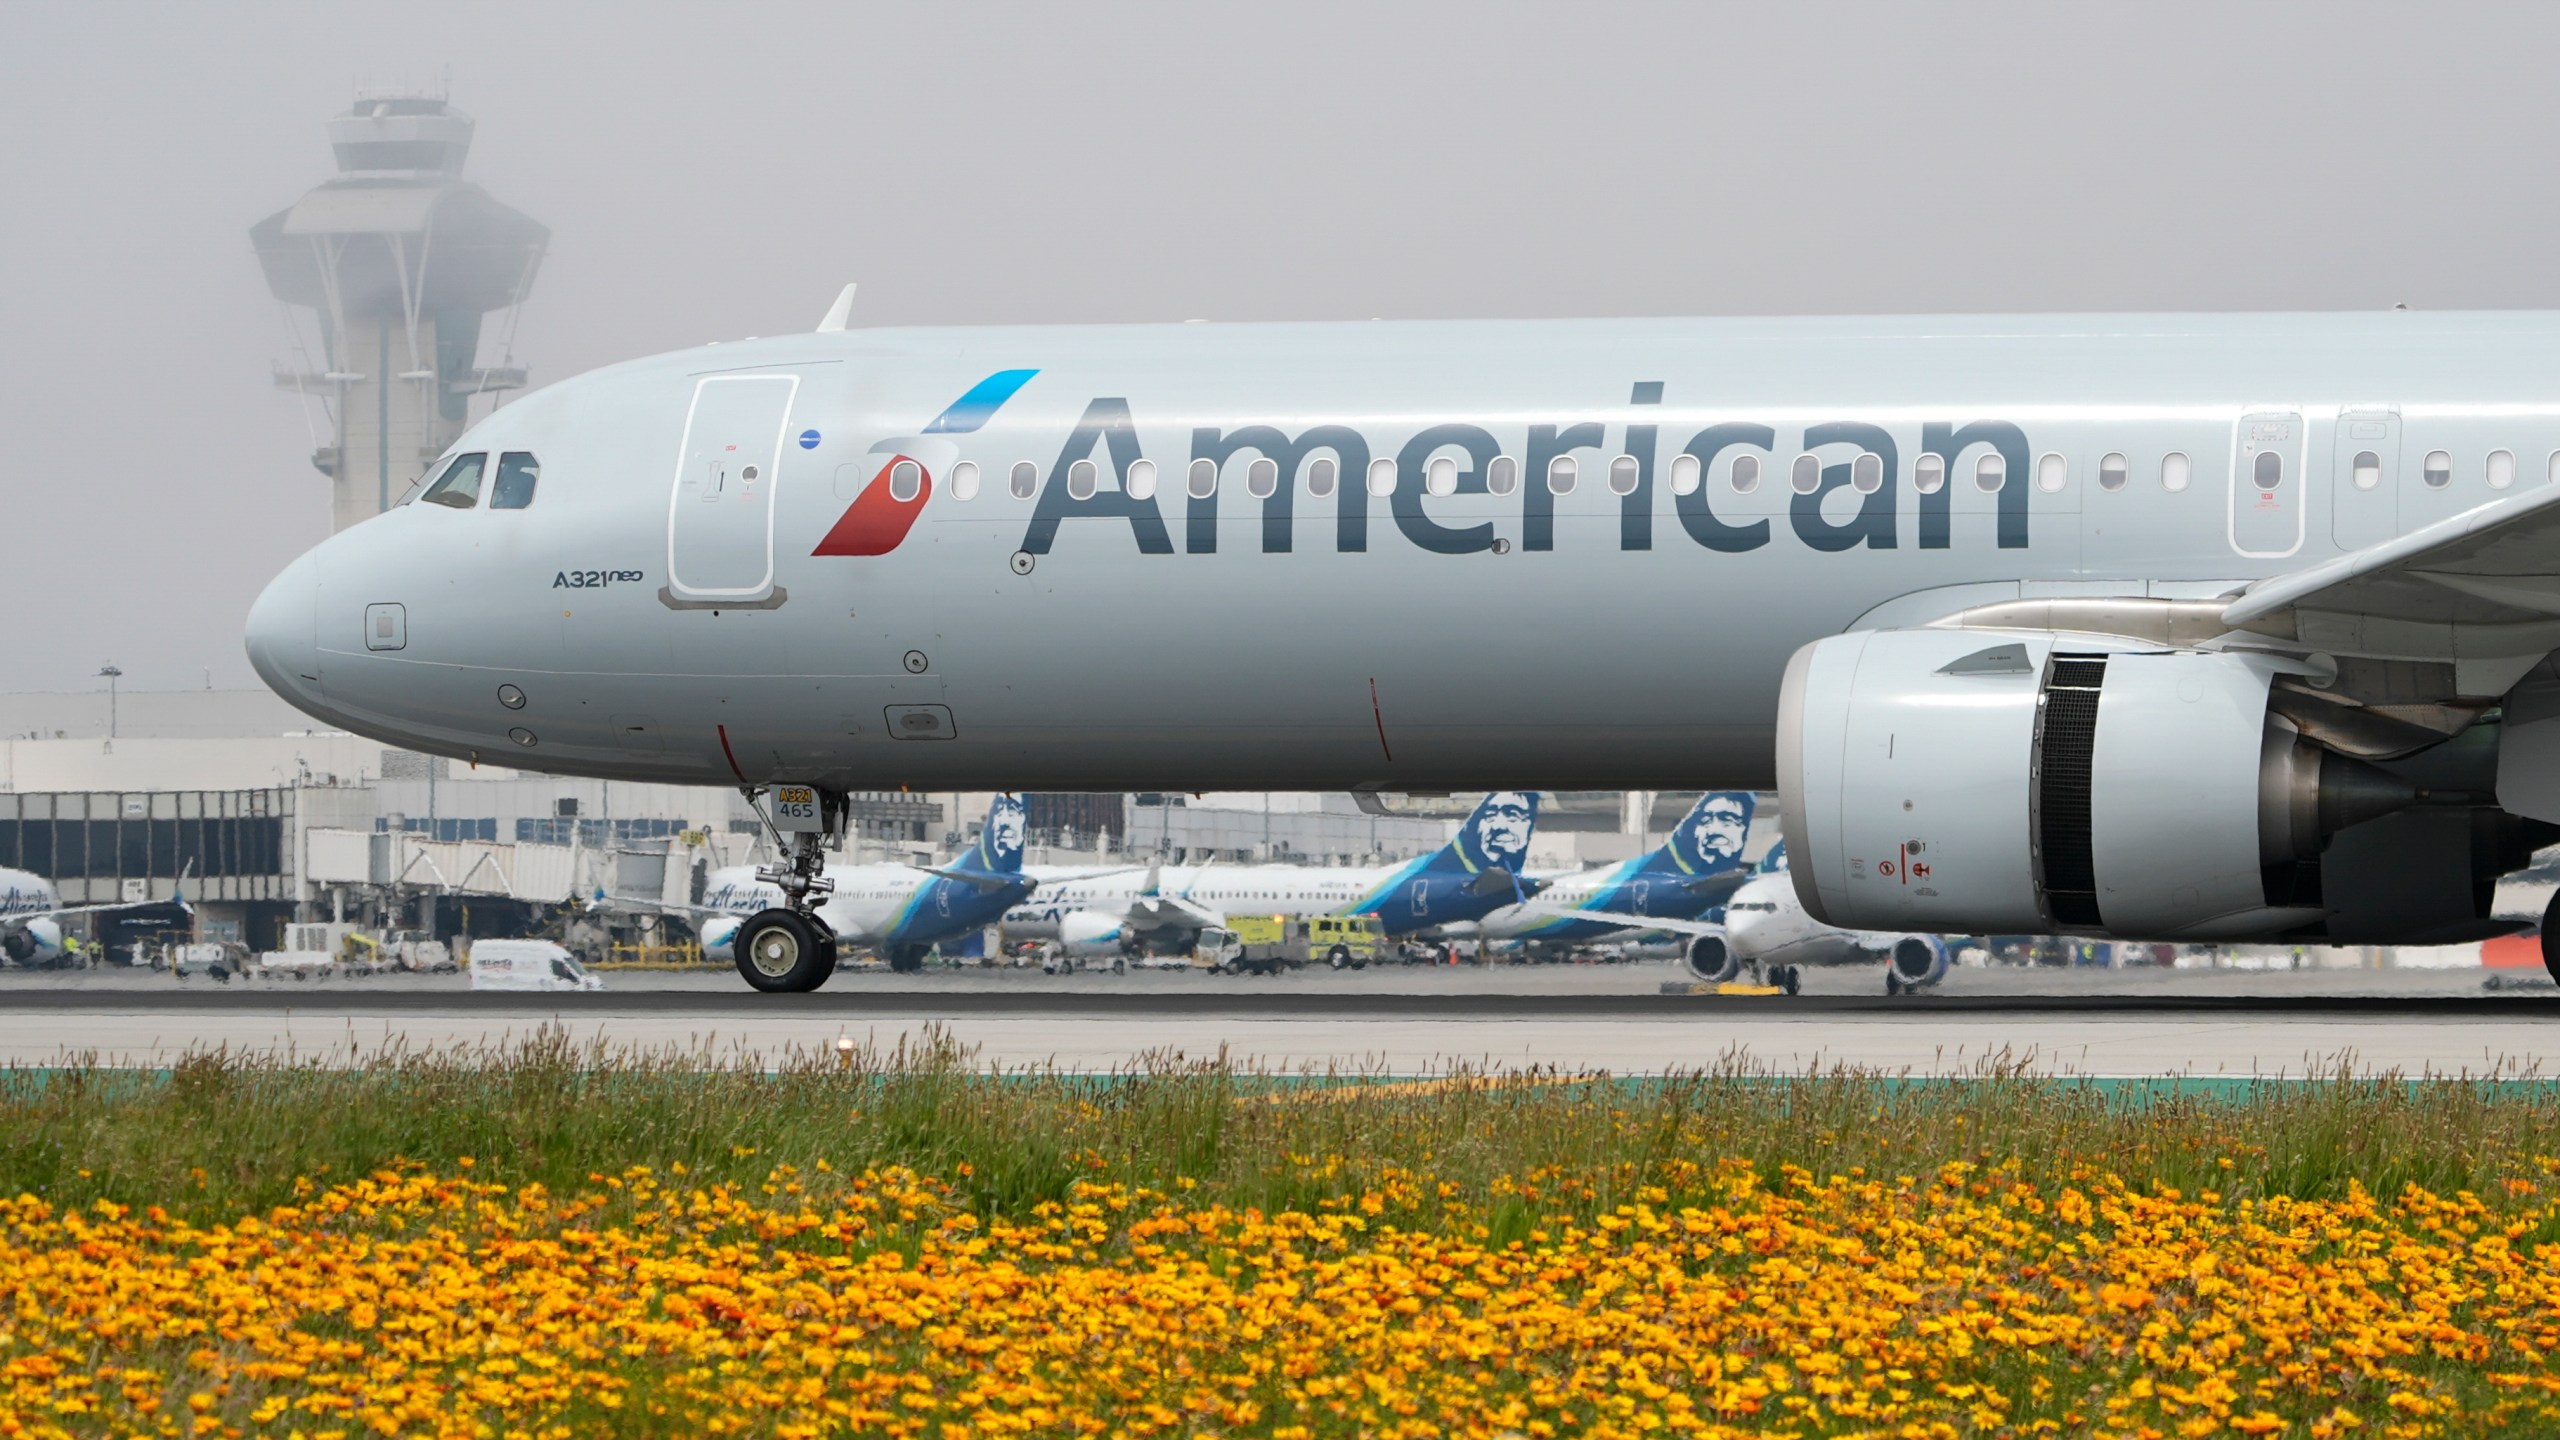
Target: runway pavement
{"points": [[1404, 1022]]}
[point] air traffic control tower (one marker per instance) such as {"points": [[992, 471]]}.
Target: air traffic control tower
{"points": [[401, 259]]}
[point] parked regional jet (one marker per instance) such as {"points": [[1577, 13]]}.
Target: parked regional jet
{"points": [[32, 912], [2182, 627], [901, 911], [1685, 877], [1475, 873]]}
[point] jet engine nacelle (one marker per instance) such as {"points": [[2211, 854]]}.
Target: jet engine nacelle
{"points": [[1918, 960], [37, 942], [1711, 959], [1971, 781], [1092, 933]]}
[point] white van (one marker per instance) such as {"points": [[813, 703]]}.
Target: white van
{"points": [[527, 965]]}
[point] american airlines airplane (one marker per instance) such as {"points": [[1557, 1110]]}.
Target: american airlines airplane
{"points": [[1683, 878], [1477, 872], [2178, 627], [902, 911]]}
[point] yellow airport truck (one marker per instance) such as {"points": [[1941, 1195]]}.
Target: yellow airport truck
{"points": [[1262, 944]]}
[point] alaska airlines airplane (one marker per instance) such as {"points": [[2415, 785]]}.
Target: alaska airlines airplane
{"points": [[1766, 930], [2178, 627], [901, 911], [1475, 873], [32, 912], [1683, 878]]}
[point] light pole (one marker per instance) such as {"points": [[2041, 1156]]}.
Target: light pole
{"points": [[111, 674]]}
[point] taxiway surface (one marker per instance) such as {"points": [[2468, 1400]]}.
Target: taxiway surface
{"points": [[1613, 1018]]}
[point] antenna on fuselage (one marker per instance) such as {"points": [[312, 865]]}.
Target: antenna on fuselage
{"points": [[839, 312]]}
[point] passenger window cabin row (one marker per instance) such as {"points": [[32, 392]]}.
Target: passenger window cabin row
{"points": [[459, 484]]}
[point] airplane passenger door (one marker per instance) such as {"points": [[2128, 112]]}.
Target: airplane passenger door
{"points": [[2364, 481], [720, 516], [2267, 484]]}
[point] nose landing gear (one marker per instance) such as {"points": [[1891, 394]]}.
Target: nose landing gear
{"points": [[788, 949]]}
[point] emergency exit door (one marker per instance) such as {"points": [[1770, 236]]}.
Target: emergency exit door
{"points": [[2267, 500], [720, 519]]}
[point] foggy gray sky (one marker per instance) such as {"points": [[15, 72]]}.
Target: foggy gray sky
{"points": [[718, 171]]}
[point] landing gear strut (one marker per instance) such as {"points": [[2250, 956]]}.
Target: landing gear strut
{"points": [[788, 949]]}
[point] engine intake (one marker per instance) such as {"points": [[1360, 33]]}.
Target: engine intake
{"points": [[2025, 782]]}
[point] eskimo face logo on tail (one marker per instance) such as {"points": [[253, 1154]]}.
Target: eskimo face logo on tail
{"points": [[1001, 847], [1710, 836], [879, 518], [1496, 837]]}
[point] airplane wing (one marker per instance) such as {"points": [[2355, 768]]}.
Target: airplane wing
{"points": [[1630, 922], [1714, 890], [979, 879], [2481, 589], [1160, 910], [177, 897], [1068, 876]]}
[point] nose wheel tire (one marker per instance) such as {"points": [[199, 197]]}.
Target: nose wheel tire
{"points": [[781, 952], [2551, 940]]}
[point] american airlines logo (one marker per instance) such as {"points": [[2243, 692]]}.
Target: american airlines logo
{"points": [[1418, 485]]}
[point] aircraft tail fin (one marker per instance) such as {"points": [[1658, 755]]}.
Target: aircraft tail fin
{"points": [[1709, 839], [999, 847], [1495, 837]]}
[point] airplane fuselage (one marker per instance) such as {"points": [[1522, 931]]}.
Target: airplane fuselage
{"points": [[719, 578]]}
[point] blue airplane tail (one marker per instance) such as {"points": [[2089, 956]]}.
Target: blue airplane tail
{"points": [[1709, 839], [999, 847], [1493, 840]]}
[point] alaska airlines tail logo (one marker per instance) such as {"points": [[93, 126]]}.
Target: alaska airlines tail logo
{"points": [[879, 518], [1709, 839], [1496, 836], [1000, 844]]}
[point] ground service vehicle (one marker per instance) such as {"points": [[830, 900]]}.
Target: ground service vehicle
{"points": [[1344, 942], [527, 965]]}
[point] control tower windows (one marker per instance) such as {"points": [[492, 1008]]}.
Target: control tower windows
{"points": [[459, 485], [517, 472]]}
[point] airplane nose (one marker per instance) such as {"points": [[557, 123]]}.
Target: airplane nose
{"points": [[282, 638]]}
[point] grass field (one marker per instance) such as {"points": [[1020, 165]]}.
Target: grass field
{"points": [[549, 1242]]}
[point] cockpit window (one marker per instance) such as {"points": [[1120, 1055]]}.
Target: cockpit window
{"points": [[517, 470], [459, 485]]}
